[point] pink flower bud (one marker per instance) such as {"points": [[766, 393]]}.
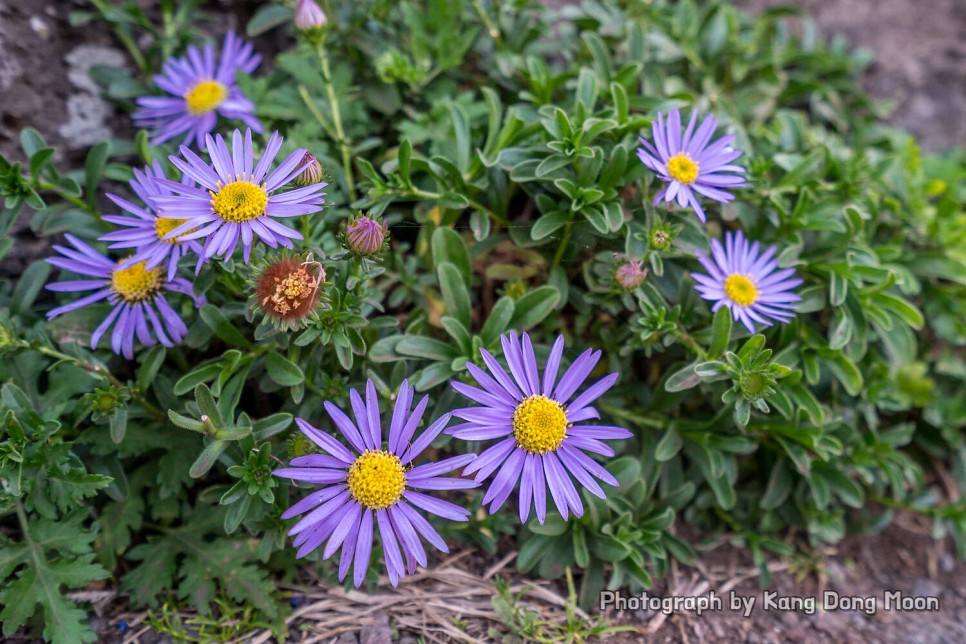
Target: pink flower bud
{"points": [[309, 15]]}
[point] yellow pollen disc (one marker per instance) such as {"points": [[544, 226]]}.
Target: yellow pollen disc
{"points": [[239, 201], [164, 226], [741, 290], [205, 96], [682, 168], [376, 480], [539, 424], [136, 283]]}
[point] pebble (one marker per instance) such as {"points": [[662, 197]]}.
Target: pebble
{"points": [[378, 632], [925, 587]]}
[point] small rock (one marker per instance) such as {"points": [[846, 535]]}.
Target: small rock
{"points": [[378, 632], [40, 27], [832, 622], [925, 587], [795, 634], [408, 639], [947, 563], [347, 638], [836, 574], [790, 618]]}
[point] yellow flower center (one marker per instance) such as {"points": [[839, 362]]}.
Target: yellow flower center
{"points": [[741, 290], [239, 201], [682, 168], [205, 96], [136, 283], [539, 424], [164, 226], [376, 480]]}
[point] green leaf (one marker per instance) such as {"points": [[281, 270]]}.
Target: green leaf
{"points": [[28, 287], [903, 309], [207, 405], [94, 168], [151, 361], [720, 332], [404, 157], [499, 320], [682, 379], [268, 17], [456, 297], [668, 446], [847, 373], [283, 371], [207, 459], [269, 426], [203, 373], [118, 424], [448, 246], [531, 309], [220, 325]]}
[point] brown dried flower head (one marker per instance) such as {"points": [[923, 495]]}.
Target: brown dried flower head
{"points": [[288, 288]]}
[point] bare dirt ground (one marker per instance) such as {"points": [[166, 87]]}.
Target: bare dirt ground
{"points": [[452, 601]]}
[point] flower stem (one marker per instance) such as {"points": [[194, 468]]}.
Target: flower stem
{"points": [[341, 138], [487, 21], [685, 338], [475, 205], [100, 371], [46, 186], [558, 256]]}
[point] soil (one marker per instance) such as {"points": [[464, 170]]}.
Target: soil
{"points": [[861, 570]]}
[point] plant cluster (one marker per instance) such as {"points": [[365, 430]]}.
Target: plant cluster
{"points": [[598, 284]]}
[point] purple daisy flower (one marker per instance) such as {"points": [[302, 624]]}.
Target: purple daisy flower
{"points": [[371, 486], [689, 164], [542, 446], [137, 293], [237, 199], [145, 229], [745, 280], [201, 91]]}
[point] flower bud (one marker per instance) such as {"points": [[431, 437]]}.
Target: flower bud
{"points": [[365, 236], [311, 171], [660, 238], [630, 275], [309, 15]]}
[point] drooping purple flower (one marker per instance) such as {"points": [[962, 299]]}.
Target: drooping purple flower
{"points": [[141, 309], [237, 200], [144, 229], [745, 280], [201, 91], [369, 485], [536, 419], [689, 163]]}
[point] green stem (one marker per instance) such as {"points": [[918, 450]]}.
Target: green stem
{"points": [[685, 338], [638, 419], [558, 256], [487, 21], [341, 138], [100, 371], [42, 184], [435, 196], [126, 40]]}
